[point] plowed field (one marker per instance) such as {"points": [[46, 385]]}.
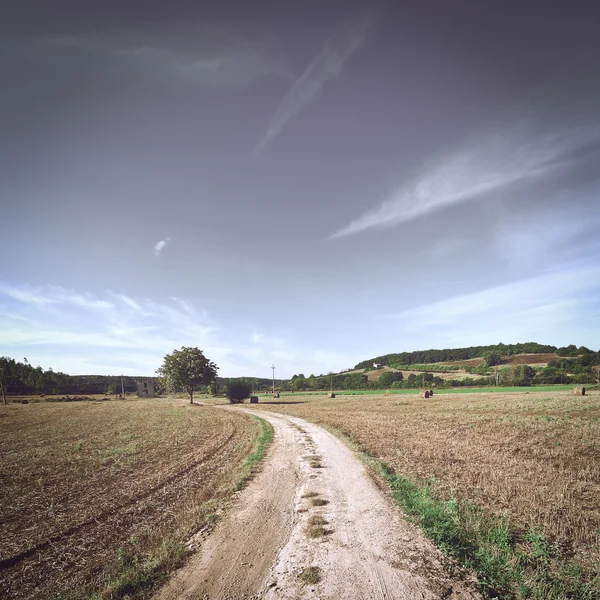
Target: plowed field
{"points": [[93, 493]]}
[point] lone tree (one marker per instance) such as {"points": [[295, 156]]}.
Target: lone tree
{"points": [[186, 369]]}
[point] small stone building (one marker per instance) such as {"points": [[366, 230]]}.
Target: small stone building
{"points": [[145, 388]]}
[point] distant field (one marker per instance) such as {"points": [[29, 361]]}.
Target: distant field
{"points": [[440, 391], [517, 359], [101, 496], [531, 459]]}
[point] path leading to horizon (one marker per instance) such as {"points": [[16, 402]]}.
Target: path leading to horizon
{"points": [[264, 546]]}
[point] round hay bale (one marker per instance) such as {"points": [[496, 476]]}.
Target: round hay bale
{"points": [[424, 394], [253, 399], [276, 395], [430, 393], [331, 395], [24, 401], [579, 391]]}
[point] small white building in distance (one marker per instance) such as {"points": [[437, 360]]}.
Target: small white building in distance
{"points": [[377, 365], [145, 388]]}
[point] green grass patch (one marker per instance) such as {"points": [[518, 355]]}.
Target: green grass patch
{"points": [[311, 575], [266, 437], [461, 390], [510, 564], [137, 576]]}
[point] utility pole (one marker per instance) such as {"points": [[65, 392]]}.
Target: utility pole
{"points": [[122, 388], [273, 367], [496, 376]]}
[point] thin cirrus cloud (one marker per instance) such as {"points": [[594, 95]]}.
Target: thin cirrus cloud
{"points": [[229, 63], [328, 64], [481, 167], [563, 302], [160, 246], [78, 332]]}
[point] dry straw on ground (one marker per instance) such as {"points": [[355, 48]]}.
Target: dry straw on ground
{"points": [[87, 489], [533, 457]]}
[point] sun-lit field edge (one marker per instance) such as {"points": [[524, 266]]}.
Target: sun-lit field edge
{"points": [[136, 577], [440, 391], [508, 563]]}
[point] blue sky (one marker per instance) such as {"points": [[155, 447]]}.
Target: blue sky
{"points": [[305, 187]]}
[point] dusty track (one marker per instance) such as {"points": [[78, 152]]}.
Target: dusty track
{"points": [[261, 550]]}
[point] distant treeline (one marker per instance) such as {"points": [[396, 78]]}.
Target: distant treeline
{"points": [[457, 354], [23, 378]]}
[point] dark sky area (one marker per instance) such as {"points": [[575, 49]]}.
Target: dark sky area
{"points": [[299, 183]]}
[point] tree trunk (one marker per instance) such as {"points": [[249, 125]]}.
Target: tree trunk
{"points": [[2, 388], [191, 393]]}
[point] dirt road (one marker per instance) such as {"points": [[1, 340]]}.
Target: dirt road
{"points": [[364, 548]]}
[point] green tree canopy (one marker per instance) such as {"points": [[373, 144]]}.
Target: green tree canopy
{"points": [[186, 369], [238, 390], [388, 378], [492, 359]]}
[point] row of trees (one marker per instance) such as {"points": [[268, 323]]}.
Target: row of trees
{"points": [[454, 354], [23, 378]]}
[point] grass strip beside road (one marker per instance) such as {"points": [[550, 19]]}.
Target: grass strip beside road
{"points": [[263, 442], [508, 564]]}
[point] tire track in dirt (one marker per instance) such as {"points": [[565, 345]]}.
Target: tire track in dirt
{"points": [[235, 560], [103, 516], [368, 549]]}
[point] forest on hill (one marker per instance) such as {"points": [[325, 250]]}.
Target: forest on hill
{"points": [[459, 354]]}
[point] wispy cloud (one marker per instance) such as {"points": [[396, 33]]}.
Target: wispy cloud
{"points": [[481, 167], [326, 65], [160, 246], [220, 61], [559, 303], [78, 332]]}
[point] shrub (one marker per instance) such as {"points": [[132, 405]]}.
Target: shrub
{"points": [[237, 391]]}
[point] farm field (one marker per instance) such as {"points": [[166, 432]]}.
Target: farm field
{"points": [[99, 498], [529, 460], [438, 391]]}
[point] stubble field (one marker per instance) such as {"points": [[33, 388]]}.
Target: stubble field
{"points": [[529, 460], [99, 498]]}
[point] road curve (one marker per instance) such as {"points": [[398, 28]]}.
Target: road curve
{"points": [[261, 549]]}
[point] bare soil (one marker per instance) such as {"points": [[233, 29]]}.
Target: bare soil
{"points": [[364, 548], [88, 488], [531, 456]]}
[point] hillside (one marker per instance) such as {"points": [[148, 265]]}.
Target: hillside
{"points": [[462, 354]]}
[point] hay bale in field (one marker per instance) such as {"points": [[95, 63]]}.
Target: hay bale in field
{"points": [[424, 394], [331, 395], [276, 395], [24, 401], [579, 391], [430, 393], [253, 399]]}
